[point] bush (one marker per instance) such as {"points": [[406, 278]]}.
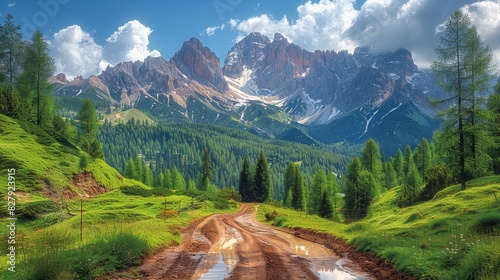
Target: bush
{"points": [[437, 178], [271, 216], [281, 222], [221, 204], [136, 190], [33, 210], [487, 223]]}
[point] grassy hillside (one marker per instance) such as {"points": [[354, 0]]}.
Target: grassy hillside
{"points": [[125, 116], [117, 229], [454, 236]]}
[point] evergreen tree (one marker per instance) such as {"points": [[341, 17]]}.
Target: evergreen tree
{"points": [[178, 182], [461, 67], [138, 168], [333, 189], [408, 158], [298, 195], [10, 54], [246, 182], [360, 189], [206, 174], [422, 157], [370, 159], [167, 180], [37, 67], [130, 170], [494, 110], [89, 129], [410, 189], [10, 103], [288, 181], [390, 176], [319, 186], [262, 179], [399, 165], [325, 208], [147, 175]]}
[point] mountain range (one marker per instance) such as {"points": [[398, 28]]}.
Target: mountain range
{"points": [[277, 89]]}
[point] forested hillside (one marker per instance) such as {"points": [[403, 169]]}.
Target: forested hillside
{"points": [[181, 145]]}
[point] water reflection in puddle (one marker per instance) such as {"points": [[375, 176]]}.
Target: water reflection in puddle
{"points": [[325, 262], [221, 260]]}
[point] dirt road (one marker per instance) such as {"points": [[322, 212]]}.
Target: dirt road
{"points": [[237, 246]]}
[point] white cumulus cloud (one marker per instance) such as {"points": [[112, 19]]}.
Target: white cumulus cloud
{"points": [[210, 31], [383, 25], [76, 53]]}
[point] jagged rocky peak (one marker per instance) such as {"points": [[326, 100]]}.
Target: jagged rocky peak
{"points": [[61, 77], [199, 63], [247, 53], [399, 62]]}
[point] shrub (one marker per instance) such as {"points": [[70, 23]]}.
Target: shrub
{"points": [[437, 178], [281, 222], [271, 216], [32, 210], [487, 223], [221, 204], [136, 190]]}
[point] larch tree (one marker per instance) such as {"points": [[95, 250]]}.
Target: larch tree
{"points": [[206, 173], [38, 67], [319, 186], [89, 129], [370, 159], [494, 109], [461, 64], [288, 181], [325, 208], [298, 192], [422, 157]]}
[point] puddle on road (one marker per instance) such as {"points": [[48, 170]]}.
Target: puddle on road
{"points": [[222, 259], [325, 262]]}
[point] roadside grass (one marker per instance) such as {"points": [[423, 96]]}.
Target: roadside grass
{"points": [[454, 236], [114, 225]]}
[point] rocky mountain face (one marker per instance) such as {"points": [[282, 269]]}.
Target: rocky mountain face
{"points": [[276, 89]]}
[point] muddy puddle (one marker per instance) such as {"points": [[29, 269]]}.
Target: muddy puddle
{"points": [[327, 265], [222, 259]]}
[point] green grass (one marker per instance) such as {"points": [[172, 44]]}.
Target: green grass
{"points": [[454, 236], [114, 224], [125, 116]]}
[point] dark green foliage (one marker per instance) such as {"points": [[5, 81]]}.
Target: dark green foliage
{"points": [[399, 165], [482, 262], [84, 161], [10, 103], [410, 189], [206, 173], [229, 194], [33, 210], [325, 207], [11, 46], [298, 195], [487, 224], [130, 170], [436, 178], [89, 129], [136, 190], [271, 216], [370, 159], [281, 222], [319, 187], [390, 176], [422, 157], [361, 187], [262, 179], [494, 129], [179, 145]]}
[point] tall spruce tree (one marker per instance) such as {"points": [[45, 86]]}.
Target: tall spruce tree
{"points": [[246, 182], [325, 208], [288, 181], [494, 110], [262, 179], [10, 51], [319, 186], [298, 193], [460, 66], [422, 157], [206, 173]]}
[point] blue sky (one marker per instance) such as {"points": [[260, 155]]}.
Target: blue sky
{"points": [[88, 35]]}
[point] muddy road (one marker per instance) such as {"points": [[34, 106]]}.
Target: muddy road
{"points": [[237, 246]]}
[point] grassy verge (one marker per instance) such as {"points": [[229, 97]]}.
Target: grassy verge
{"points": [[454, 236], [118, 230]]}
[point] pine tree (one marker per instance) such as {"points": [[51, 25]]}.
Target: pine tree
{"points": [[494, 113], [390, 176], [325, 208], [319, 186], [246, 182], [410, 189], [370, 159], [10, 54], [422, 157], [89, 129], [130, 170], [288, 184], [167, 180], [298, 195], [408, 158], [399, 165], [178, 181], [262, 179], [138, 168], [361, 187], [206, 174]]}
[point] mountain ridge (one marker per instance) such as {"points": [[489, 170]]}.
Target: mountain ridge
{"points": [[267, 86]]}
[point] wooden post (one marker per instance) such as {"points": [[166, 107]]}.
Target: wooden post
{"points": [[81, 220]]}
